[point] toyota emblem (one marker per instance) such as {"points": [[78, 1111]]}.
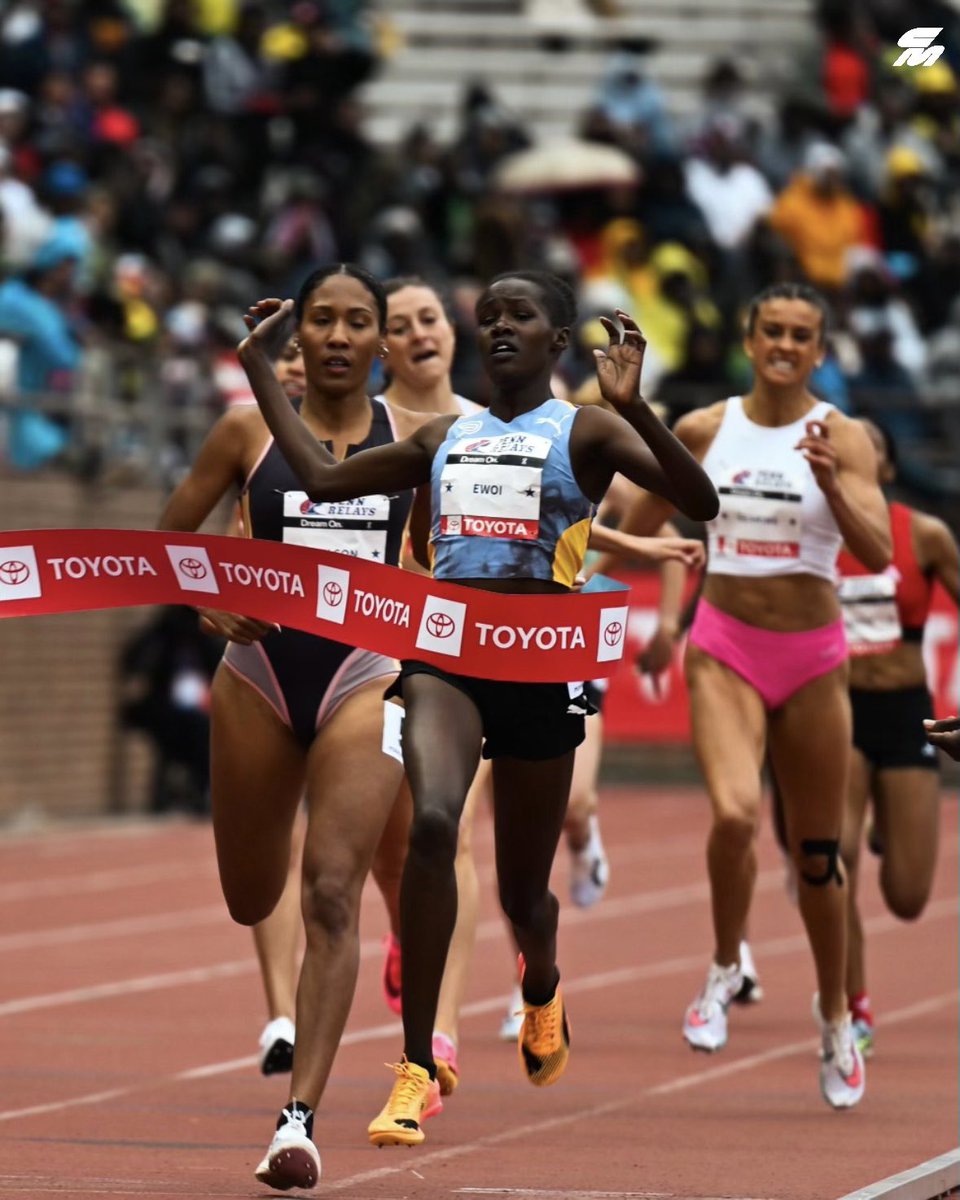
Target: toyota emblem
{"points": [[193, 568], [613, 633], [332, 594], [439, 625], [13, 571]]}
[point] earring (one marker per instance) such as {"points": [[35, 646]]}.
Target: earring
{"points": [[384, 351], [296, 343]]}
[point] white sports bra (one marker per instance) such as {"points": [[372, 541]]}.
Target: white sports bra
{"points": [[773, 519]]}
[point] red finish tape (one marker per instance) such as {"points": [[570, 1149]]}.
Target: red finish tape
{"points": [[489, 635]]}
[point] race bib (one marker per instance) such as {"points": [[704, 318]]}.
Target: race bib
{"points": [[355, 527], [871, 619], [490, 487], [760, 514]]}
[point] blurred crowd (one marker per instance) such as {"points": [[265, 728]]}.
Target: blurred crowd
{"points": [[165, 162]]}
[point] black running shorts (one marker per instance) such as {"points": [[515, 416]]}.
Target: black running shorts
{"points": [[888, 728], [532, 721]]}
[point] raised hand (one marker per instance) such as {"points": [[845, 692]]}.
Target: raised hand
{"points": [[271, 325], [819, 452], [619, 367]]}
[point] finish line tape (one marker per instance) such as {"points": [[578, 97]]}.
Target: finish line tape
{"points": [[488, 635]]}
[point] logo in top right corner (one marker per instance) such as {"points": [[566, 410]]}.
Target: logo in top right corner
{"points": [[917, 47]]}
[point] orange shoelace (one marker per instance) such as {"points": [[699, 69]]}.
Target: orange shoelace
{"points": [[543, 1027], [406, 1099]]}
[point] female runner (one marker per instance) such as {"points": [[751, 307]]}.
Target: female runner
{"points": [[293, 713], [766, 659], [529, 730], [278, 937], [894, 767]]}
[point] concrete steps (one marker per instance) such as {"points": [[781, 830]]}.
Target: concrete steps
{"points": [[445, 43]]}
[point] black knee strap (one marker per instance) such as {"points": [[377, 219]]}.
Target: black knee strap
{"points": [[829, 848]]}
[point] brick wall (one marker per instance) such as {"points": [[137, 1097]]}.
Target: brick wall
{"points": [[60, 750]]}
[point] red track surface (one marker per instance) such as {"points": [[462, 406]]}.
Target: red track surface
{"points": [[130, 1008]]}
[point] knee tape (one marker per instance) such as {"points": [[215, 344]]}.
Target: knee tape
{"points": [[828, 848]]}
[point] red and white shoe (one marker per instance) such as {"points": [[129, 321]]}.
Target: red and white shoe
{"points": [[705, 1021], [843, 1076]]}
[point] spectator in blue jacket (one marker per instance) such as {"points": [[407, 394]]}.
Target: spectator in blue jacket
{"points": [[34, 313]]}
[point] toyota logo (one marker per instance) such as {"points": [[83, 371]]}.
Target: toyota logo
{"points": [[193, 568], [332, 594], [13, 571], [439, 625], [613, 633]]}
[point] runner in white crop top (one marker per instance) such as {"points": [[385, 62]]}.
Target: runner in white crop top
{"points": [[773, 519], [765, 662]]}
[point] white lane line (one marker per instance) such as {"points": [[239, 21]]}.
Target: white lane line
{"points": [[922, 1008], [684, 1082], [560, 1194], [61, 836], [774, 948], [32, 1185], [105, 881], [639, 849], [612, 909], [66, 935], [38, 1110], [126, 987], [652, 901], [640, 902], [926, 1181], [549, 1193]]}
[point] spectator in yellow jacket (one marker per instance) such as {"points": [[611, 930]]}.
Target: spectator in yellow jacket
{"points": [[819, 217]]}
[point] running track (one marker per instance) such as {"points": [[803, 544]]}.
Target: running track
{"points": [[130, 1008]]}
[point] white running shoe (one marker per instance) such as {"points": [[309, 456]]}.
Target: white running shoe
{"points": [[751, 991], [291, 1160], [589, 868], [276, 1046], [705, 1021], [513, 1019], [843, 1076]]}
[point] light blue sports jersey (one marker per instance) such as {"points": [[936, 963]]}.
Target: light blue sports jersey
{"points": [[505, 502]]}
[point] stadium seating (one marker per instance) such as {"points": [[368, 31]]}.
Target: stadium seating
{"points": [[544, 68]]}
